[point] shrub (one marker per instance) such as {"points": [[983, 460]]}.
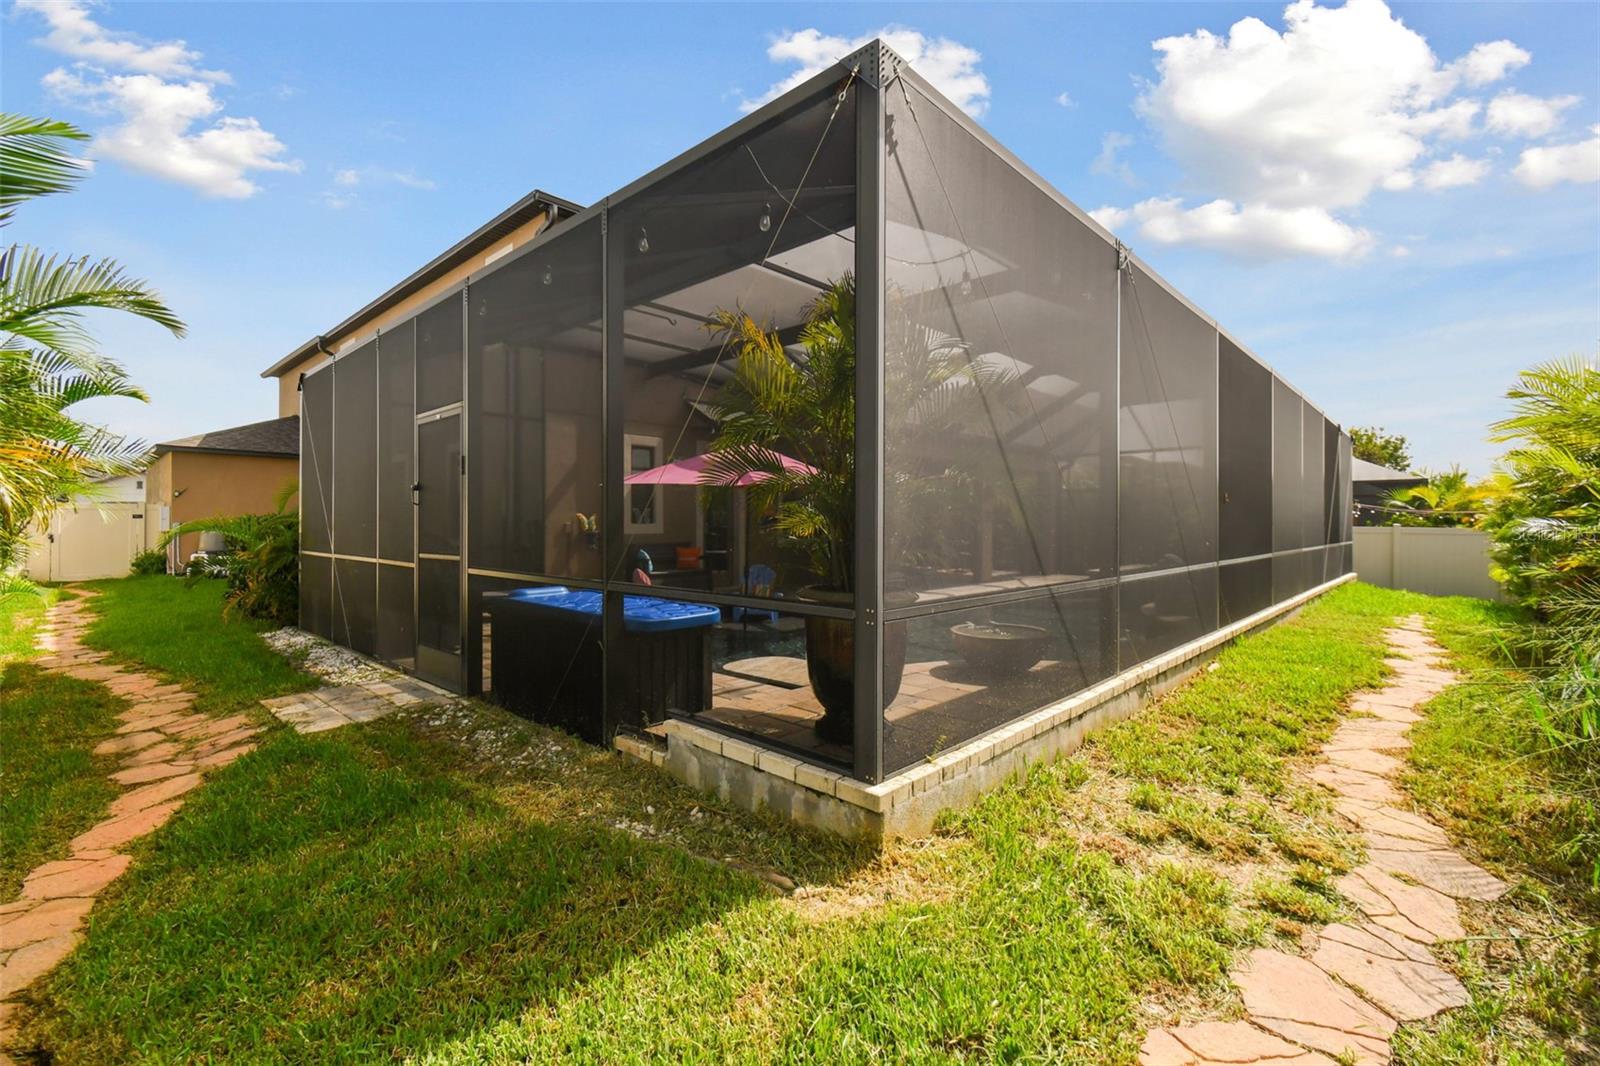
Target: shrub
{"points": [[150, 561], [262, 567], [1546, 552]]}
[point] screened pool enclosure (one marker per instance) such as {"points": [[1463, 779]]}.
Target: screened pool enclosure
{"points": [[843, 433]]}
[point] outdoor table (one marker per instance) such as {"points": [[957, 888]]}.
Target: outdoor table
{"points": [[547, 663]]}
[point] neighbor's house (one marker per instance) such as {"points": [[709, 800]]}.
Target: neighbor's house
{"points": [[1370, 486], [1039, 484], [92, 537], [235, 471]]}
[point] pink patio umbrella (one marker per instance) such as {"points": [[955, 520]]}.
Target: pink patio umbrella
{"points": [[692, 471]]}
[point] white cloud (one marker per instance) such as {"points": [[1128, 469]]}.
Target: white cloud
{"points": [[165, 117], [950, 66], [75, 34], [1400, 251], [1066, 100], [1107, 162], [1256, 231], [1578, 163], [1521, 115], [346, 177], [1291, 128], [1489, 62], [1453, 172]]}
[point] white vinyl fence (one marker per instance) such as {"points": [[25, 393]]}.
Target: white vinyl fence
{"points": [[1441, 562]]}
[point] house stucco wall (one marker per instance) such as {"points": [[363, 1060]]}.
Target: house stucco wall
{"points": [[289, 379], [203, 484]]}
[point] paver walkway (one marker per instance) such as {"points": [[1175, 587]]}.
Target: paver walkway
{"points": [[1359, 981], [330, 708], [165, 749]]}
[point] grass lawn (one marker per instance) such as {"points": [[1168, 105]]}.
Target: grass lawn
{"points": [[462, 886], [174, 630], [51, 786]]}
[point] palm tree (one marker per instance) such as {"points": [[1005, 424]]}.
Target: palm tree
{"points": [[1448, 499], [263, 565], [48, 362]]}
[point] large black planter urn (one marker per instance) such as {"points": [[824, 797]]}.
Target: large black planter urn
{"points": [[831, 664]]}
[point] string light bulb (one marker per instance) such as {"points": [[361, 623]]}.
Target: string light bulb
{"points": [[644, 241], [766, 218]]}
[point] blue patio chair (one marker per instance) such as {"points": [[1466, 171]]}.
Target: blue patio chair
{"points": [[758, 581]]}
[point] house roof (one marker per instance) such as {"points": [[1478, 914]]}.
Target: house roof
{"points": [[1373, 474], [524, 210], [280, 436]]}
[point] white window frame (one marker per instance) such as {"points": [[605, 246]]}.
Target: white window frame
{"points": [[629, 441]]}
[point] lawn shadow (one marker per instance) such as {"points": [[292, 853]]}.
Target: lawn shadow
{"points": [[372, 889]]}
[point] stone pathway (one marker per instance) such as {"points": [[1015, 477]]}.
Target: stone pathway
{"points": [[1344, 1001], [165, 750], [330, 708]]}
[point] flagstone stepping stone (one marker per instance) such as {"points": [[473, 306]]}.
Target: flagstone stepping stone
{"points": [[129, 743], [1376, 940], [1403, 988], [1442, 870], [27, 964], [144, 722], [138, 775], [85, 880], [52, 918], [1295, 999], [213, 727], [118, 831], [227, 740], [1365, 760], [1355, 784], [1396, 713], [152, 794], [1392, 821], [1368, 734], [159, 753], [1424, 914], [1218, 1043], [219, 759]]}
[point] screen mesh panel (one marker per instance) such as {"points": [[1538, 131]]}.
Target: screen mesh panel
{"points": [[439, 474], [957, 674], [1288, 482], [1313, 505], [1244, 434], [395, 640], [355, 605], [756, 230], [1159, 613], [1168, 513], [316, 595], [316, 460], [1000, 372], [439, 605], [439, 354], [355, 438], [396, 440], [534, 380], [1243, 589]]}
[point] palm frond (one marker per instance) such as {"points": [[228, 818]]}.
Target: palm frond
{"points": [[35, 161], [43, 297]]}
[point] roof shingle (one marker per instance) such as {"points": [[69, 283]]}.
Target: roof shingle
{"points": [[279, 436]]}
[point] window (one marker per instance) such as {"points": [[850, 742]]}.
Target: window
{"points": [[644, 501]]}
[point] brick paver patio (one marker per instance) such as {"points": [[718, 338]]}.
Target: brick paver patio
{"points": [[1344, 1001], [165, 751]]}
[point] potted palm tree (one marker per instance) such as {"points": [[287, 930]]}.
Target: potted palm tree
{"points": [[776, 405]]}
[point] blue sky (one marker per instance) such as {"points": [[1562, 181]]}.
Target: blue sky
{"points": [[1395, 206]]}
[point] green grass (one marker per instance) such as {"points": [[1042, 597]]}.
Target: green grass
{"points": [[463, 886], [20, 613], [391, 891], [176, 630]]}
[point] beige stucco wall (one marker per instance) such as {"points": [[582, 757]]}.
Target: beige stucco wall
{"points": [[204, 484], [289, 380]]}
